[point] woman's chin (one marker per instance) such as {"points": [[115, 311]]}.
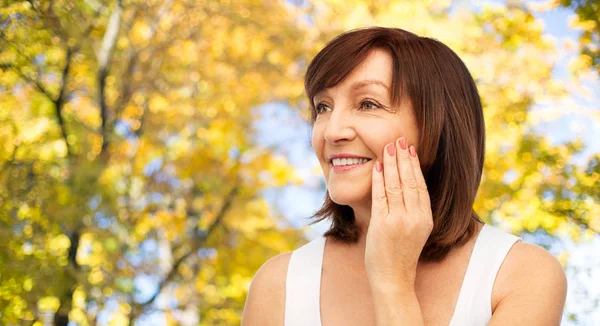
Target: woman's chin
{"points": [[345, 197]]}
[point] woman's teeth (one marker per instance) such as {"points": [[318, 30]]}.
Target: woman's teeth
{"points": [[348, 161]]}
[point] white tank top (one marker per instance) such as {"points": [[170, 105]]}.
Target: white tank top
{"points": [[473, 307]]}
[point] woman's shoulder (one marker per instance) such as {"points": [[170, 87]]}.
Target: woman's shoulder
{"points": [[526, 262], [265, 302], [531, 274]]}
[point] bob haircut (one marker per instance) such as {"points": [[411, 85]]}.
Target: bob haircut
{"points": [[449, 116]]}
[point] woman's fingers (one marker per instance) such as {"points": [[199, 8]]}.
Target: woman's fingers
{"points": [[379, 206], [391, 177], [407, 178], [424, 200], [401, 187]]}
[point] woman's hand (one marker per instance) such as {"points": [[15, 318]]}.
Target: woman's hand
{"points": [[401, 219]]}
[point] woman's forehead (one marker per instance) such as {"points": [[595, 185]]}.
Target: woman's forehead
{"points": [[377, 65], [375, 72]]}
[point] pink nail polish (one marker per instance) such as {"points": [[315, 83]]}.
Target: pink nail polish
{"points": [[391, 149], [413, 152], [402, 143]]}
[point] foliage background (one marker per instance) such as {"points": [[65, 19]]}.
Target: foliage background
{"points": [[145, 146]]}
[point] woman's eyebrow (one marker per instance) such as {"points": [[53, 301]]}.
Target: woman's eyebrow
{"points": [[363, 83], [356, 86]]}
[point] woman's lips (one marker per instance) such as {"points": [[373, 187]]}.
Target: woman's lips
{"points": [[345, 168]]}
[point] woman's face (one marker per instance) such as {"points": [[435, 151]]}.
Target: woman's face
{"points": [[356, 117]]}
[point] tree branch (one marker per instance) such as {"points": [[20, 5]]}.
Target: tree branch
{"points": [[108, 43], [196, 244], [61, 100], [133, 61], [35, 81], [145, 109]]}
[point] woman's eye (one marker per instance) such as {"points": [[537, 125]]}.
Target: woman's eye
{"points": [[319, 107], [368, 105]]}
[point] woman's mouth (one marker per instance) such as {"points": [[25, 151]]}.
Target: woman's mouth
{"points": [[349, 167]]}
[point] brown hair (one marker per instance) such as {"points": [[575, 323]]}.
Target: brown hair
{"points": [[449, 116]]}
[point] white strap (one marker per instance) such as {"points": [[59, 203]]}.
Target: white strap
{"points": [[303, 285], [474, 305]]}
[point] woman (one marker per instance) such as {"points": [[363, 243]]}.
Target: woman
{"points": [[399, 132]]}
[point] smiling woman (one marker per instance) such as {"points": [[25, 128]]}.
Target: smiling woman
{"points": [[413, 80], [398, 128]]}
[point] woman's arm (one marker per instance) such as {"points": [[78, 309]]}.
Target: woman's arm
{"points": [[395, 306], [537, 288], [401, 222], [265, 303]]}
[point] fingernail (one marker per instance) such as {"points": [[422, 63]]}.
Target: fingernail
{"points": [[378, 166], [391, 149], [412, 151], [402, 143]]}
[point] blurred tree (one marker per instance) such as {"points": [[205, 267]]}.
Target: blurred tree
{"points": [[129, 168], [127, 154], [588, 20]]}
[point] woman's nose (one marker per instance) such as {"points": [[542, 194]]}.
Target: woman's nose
{"points": [[338, 127]]}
